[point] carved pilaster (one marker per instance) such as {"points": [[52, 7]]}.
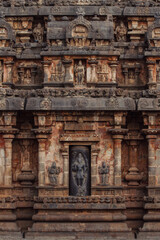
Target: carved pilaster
{"points": [[9, 67], [68, 81], [8, 135], [94, 174], [65, 155], [151, 79], [151, 136], [42, 136], [118, 135], [46, 70], [113, 66], [93, 77]]}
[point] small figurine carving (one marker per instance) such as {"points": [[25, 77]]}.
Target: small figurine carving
{"points": [[121, 32], [53, 172], [103, 171], [80, 73], [38, 33]]}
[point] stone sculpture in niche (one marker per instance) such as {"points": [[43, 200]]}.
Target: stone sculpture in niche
{"points": [[57, 73], [79, 169], [121, 32], [102, 73], [79, 73], [27, 74], [38, 32], [53, 173], [103, 170]]}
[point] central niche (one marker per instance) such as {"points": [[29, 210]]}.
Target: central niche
{"points": [[79, 171]]}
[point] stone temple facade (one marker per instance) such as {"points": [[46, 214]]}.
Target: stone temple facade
{"points": [[80, 119]]}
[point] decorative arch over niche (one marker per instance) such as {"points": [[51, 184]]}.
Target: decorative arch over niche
{"points": [[9, 31], [79, 22]]}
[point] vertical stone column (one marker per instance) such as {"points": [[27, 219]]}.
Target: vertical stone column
{"points": [[113, 66], [68, 78], [8, 138], [33, 74], [46, 71], [42, 136], [93, 64], [2, 166], [151, 136], [152, 80], [118, 135], [65, 155], [8, 135], [125, 72], [151, 225], [94, 155], [9, 67]]}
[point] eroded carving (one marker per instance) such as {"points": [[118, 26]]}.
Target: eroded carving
{"points": [[38, 33], [79, 73], [103, 171], [53, 173], [121, 32]]}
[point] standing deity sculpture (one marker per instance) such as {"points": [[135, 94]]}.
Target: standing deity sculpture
{"points": [[80, 73], [103, 171], [79, 168], [53, 172], [38, 32], [121, 32]]}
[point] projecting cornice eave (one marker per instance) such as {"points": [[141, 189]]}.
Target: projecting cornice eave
{"points": [[77, 51], [148, 104], [155, 52], [19, 11], [140, 11], [12, 103], [7, 52], [89, 10], [81, 104]]}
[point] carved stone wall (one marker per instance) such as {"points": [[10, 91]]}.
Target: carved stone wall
{"points": [[85, 76]]}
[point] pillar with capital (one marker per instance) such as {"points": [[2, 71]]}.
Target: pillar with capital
{"points": [[113, 66], [42, 136], [46, 65], [151, 136], [8, 136], [152, 80], [152, 206], [118, 135]]}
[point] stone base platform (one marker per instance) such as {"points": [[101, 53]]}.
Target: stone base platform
{"points": [[6, 235], [80, 236]]}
